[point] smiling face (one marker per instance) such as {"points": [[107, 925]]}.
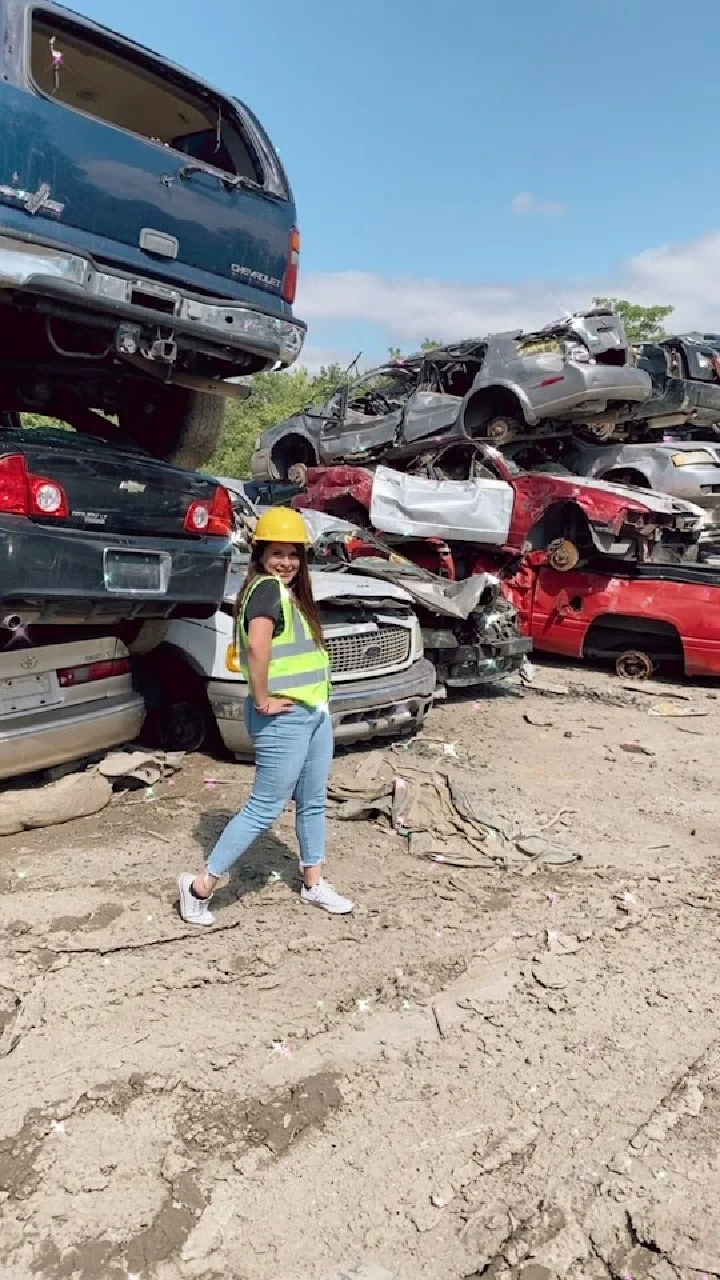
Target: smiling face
{"points": [[282, 559]]}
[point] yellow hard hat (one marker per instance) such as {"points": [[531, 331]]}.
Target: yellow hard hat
{"points": [[281, 524]]}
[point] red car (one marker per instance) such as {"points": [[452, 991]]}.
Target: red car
{"points": [[595, 570], [469, 494], [640, 616]]}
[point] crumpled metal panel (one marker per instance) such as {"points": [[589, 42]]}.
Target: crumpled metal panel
{"points": [[478, 511]]}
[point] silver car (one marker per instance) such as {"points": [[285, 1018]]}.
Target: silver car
{"points": [[61, 702], [687, 469]]}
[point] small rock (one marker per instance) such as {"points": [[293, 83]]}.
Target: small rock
{"points": [[655, 1131], [549, 974], [424, 1217], [466, 1175], [442, 1196], [561, 944], [694, 1099], [248, 1164]]}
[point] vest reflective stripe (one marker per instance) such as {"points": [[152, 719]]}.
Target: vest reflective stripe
{"points": [[298, 668]]}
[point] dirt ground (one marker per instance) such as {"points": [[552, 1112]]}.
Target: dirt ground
{"points": [[481, 1073]]}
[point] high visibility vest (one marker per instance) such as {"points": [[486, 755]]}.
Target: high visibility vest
{"points": [[299, 668]]}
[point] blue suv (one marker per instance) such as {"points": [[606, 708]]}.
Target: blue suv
{"points": [[148, 238]]}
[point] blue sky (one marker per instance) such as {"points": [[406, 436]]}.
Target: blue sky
{"points": [[468, 165]]}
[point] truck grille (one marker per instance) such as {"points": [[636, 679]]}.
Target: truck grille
{"points": [[369, 651]]}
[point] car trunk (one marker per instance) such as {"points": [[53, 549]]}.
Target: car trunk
{"points": [[130, 153], [109, 489]]}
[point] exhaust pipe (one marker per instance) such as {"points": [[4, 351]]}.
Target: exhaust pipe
{"points": [[12, 621]]}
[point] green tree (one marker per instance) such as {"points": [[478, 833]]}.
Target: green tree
{"points": [[642, 324], [427, 344], [275, 396]]}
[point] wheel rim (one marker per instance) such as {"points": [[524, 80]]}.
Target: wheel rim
{"points": [[634, 665], [500, 430], [602, 431]]}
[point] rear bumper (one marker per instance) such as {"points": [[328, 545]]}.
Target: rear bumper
{"points": [[373, 708], [591, 387], [57, 736], [77, 281], [52, 574], [688, 401]]}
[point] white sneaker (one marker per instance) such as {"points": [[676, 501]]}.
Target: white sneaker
{"points": [[193, 910], [323, 895]]}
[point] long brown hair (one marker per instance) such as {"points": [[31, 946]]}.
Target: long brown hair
{"points": [[301, 589]]}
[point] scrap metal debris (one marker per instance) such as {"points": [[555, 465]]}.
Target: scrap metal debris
{"points": [[442, 816], [82, 794]]}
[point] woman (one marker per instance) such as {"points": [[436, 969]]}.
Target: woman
{"points": [[285, 662]]}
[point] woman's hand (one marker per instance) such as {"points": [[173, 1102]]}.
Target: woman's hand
{"points": [[274, 706]]}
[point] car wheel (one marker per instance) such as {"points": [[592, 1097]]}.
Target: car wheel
{"points": [[174, 423], [181, 726], [596, 433], [297, 474], [633, 664], [500, 430], [199, 421]]}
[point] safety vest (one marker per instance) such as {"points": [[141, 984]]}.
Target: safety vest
{"points": [[299, 668]]}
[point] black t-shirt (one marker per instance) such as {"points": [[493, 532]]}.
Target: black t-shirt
{"points": [[265, 602]]}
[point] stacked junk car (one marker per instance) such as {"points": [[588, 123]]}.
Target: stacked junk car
{"points": [[582, 473], [149, 254], [148, 260], [557, 489]]}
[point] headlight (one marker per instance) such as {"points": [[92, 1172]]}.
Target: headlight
{"points": [[232, 659], [692, 458], [418, 647]]}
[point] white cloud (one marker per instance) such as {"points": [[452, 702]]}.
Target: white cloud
{"points": [[524, 205], [406, 309], [315, 357]]}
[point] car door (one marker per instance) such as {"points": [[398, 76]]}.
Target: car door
{"points": [[366, 417]]}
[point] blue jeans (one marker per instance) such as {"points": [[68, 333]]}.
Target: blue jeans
{"points": [[293, 754]]}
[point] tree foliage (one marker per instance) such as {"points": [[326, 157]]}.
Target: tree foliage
{"points": [[642, 324], [275, 396]]}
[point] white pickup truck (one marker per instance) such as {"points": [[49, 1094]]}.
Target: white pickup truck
{"points": [[382, 685]]}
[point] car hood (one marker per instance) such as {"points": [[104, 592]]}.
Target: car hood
{"points": [[579, 487]]}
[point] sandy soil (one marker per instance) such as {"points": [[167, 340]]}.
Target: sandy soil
{"points": [[481, 1073]]}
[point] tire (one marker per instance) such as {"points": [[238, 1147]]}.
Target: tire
{"points": [[199, 427], [173, 423], [499, 430]]}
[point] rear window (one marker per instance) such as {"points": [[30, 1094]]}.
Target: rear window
{"points": [[82, 70]]}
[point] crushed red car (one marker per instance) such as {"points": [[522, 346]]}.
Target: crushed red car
{"points": [[595, 570], [482, 499]]}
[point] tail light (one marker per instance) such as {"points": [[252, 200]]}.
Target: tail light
{"points": [[69, 677], [25, 494], [290, 281], [213, 517]]}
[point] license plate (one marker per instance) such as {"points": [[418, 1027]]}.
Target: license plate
{"points": [[136, 573], [28, 693]]}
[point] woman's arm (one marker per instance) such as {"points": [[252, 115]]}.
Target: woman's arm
{"points": [[260, 635]]}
